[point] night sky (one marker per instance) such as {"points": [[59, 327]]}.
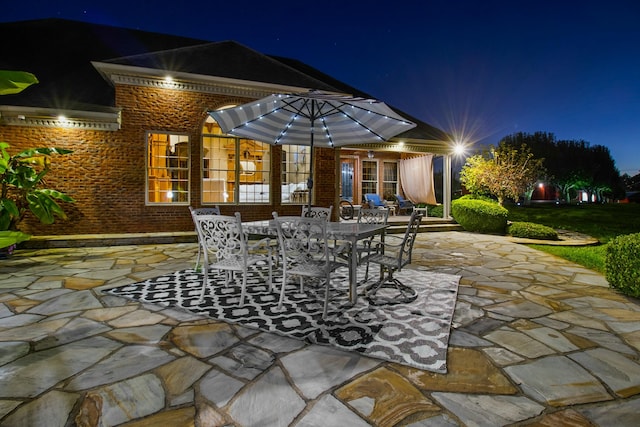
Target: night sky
{"points": [[479, 70]]}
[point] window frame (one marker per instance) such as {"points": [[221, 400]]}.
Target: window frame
{"points": [[376, 175], [238, 158], [385, 181], [296, 151], [182, 138]]}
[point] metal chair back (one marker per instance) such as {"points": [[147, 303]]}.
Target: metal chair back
{"points": [[214, 210], [317, 212], [304, 252], [392, 257], [373, 216], [225, 248]]}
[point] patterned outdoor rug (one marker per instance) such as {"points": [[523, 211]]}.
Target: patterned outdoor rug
{"points": [[414, 334]]}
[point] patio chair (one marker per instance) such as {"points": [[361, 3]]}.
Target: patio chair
{"points": [[201, 211], [304, 252], [404, 204], [317, 212], [392, 255], [370, 216], [225, 248], [374, 201]]}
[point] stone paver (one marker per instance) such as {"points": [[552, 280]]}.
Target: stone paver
{"points": [[558, 381], [536, 340], [479, 410]]}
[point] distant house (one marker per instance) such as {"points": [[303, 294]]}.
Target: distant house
{"points": [[133, 106]]}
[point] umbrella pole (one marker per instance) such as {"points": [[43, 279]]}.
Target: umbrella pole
{"points": [[310, 180]]}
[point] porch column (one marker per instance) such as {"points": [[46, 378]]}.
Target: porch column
{"points": [[446, 186]]}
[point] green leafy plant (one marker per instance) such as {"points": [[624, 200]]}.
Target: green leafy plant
{"points": [[506, 172], [623, 264], [21, 179], [479, 215], [436, 211], [12, 82], [531, 230]]}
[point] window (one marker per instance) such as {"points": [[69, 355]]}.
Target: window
{"points": [[369, 176], [295, 173], [168, 173], [234, 170], [389, 179]]}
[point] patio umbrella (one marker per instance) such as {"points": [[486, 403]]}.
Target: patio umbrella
{"points": [[313, 119]]}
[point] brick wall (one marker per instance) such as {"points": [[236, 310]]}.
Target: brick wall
{"points": [[106, 172]]}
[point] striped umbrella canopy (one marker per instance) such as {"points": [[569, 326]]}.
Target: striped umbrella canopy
{"points": [[313, 119]]}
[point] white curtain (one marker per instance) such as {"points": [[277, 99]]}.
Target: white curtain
{"points": [[416, 177]]}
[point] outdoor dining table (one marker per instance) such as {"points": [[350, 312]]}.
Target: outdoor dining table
{"points": [[350, 232]]}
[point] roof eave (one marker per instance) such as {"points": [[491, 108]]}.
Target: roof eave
{"points": [[117, 74], [13, 115]]}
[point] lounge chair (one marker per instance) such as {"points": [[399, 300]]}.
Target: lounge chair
{"points": [[374, 201], [404, 205]]}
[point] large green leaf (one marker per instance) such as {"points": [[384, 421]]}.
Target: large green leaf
{"points": [[12, 82], [44, 207], [8, 211], [56, 195], [8, 238]]}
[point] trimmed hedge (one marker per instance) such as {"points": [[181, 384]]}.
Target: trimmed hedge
{"points": [[479, 215], [622, 264], [435, 211], [531, 230], [477, 197]]}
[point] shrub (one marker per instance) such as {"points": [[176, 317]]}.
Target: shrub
{"points": [[531, 230], [477, 197], [622, 264], [435, 211], [479, 215]]}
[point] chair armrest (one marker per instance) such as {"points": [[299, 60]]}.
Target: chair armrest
{"points": [[387, 244], [259, 244]]}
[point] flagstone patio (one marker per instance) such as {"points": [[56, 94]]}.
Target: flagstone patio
{"points": [[536, 340]]}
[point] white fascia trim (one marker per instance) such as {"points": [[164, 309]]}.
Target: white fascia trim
{"points": [[151, 77], [15, 115]]}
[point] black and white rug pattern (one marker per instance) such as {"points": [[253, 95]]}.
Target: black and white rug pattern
{"points": [[414, 334]]}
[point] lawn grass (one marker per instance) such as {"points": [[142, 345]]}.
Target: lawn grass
{"points": [[592, 257], [604, 222]]}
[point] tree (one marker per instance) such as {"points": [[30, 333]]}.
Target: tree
{"points": [[631, 183], [476, 174], [506, 172], [572, 165]]}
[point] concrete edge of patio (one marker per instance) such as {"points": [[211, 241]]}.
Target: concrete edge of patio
{"points": [[93, 240]]}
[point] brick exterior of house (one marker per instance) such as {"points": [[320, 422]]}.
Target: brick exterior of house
{"points": [[106, 172], [115, 93]]}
